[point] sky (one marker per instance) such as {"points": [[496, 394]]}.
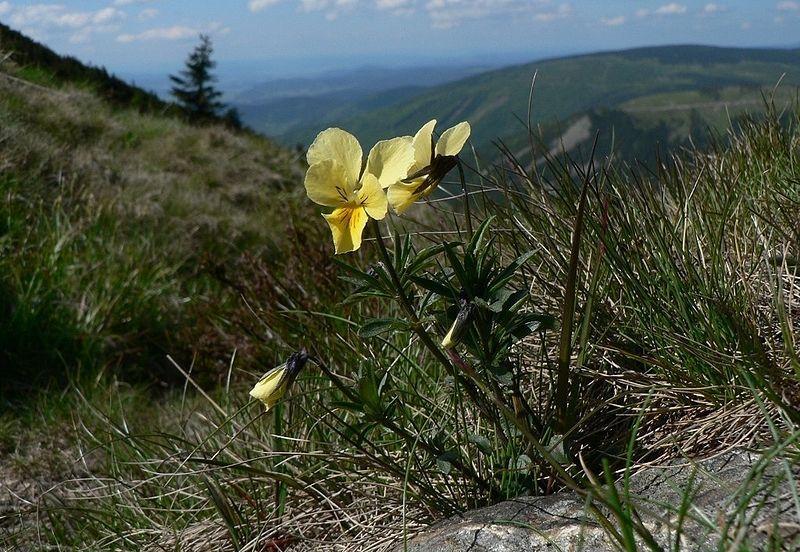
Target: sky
{"points": [[267, 38]]}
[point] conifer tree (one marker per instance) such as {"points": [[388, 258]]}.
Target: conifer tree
{"points": [[193, 86]]}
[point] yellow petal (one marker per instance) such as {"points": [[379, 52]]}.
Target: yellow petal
{"points": [[423, 145], [401, 196], [341, 146], [269, 389], [372, 197], [389, 160], [453, 139], [347, 224], [327, 184], [448, 341]]}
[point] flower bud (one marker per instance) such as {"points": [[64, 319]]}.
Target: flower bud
{"points": [[460, 325], [273, 385]]}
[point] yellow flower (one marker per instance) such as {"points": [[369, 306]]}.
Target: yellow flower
{"points": [[460, 325], [431, 164], [335, 179], [273, 385]]}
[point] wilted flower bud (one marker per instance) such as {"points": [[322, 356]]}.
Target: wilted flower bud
{"points": [[272, 386], [460, 325]]}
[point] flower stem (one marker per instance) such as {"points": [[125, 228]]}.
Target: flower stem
{"points": [[466, 199], [425, 337]]}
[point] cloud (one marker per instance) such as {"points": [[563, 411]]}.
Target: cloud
{"points": [[642, 12], [745, 25], [57, 16], [129, 2], [672, 8], [788, 6], [258, 5], [176, 32], [148, 13], [5, 7], [392, 4], [712, 8], [613, 21], [563, 11], [396, 7], [443, 14], [446, 14]]}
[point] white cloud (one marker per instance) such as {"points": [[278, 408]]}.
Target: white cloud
{"points": [[712, 8], [613, 21], [563, 11], [148, 13], [392, 4], [445, 14], [57, 16], [672, 8], [258, 5], [176, 32], [396, 7], [745, 25], [789, 5], [5, 7], [642, 12], [129, 2], [313, 5]]}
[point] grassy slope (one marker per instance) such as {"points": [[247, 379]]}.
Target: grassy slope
{"points": [[118, 229], [566, 87]]}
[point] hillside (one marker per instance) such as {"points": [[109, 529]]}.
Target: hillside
{"points": [[655, 94], [283, 107], [120, 225]]}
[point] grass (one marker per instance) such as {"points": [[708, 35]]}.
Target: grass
{"points": [[127, 237], [115, 228]]}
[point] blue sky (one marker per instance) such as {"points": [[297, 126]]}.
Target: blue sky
{"points": [[297, 36]]}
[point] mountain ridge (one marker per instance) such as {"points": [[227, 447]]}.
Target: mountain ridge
{"points": [[496, 102]]}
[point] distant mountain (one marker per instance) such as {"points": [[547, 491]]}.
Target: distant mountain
{"points": [[284, 107], [649, 97]]}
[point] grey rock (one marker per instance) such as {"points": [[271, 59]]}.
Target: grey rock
{"points": [[739, 501]]}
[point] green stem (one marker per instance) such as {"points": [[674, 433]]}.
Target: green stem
{"points": [[467, 470], [563, 414], [423, 335], [466, 200]]}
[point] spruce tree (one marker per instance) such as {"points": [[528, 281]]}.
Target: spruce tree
{"points": [[194, 89]]}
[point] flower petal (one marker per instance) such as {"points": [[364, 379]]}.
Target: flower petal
{"points": [[389, 160], [423, 145], [341, 146], [347, 224], [372, 197], [327, 184], [401, 196], [269, 389], [453, 139]]}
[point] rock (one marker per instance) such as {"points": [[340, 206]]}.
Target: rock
{"points": [[721, 514]]}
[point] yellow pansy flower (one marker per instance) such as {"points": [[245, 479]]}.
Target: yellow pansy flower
{"points": [[335, 179], [273, 385], [431, 163]]}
